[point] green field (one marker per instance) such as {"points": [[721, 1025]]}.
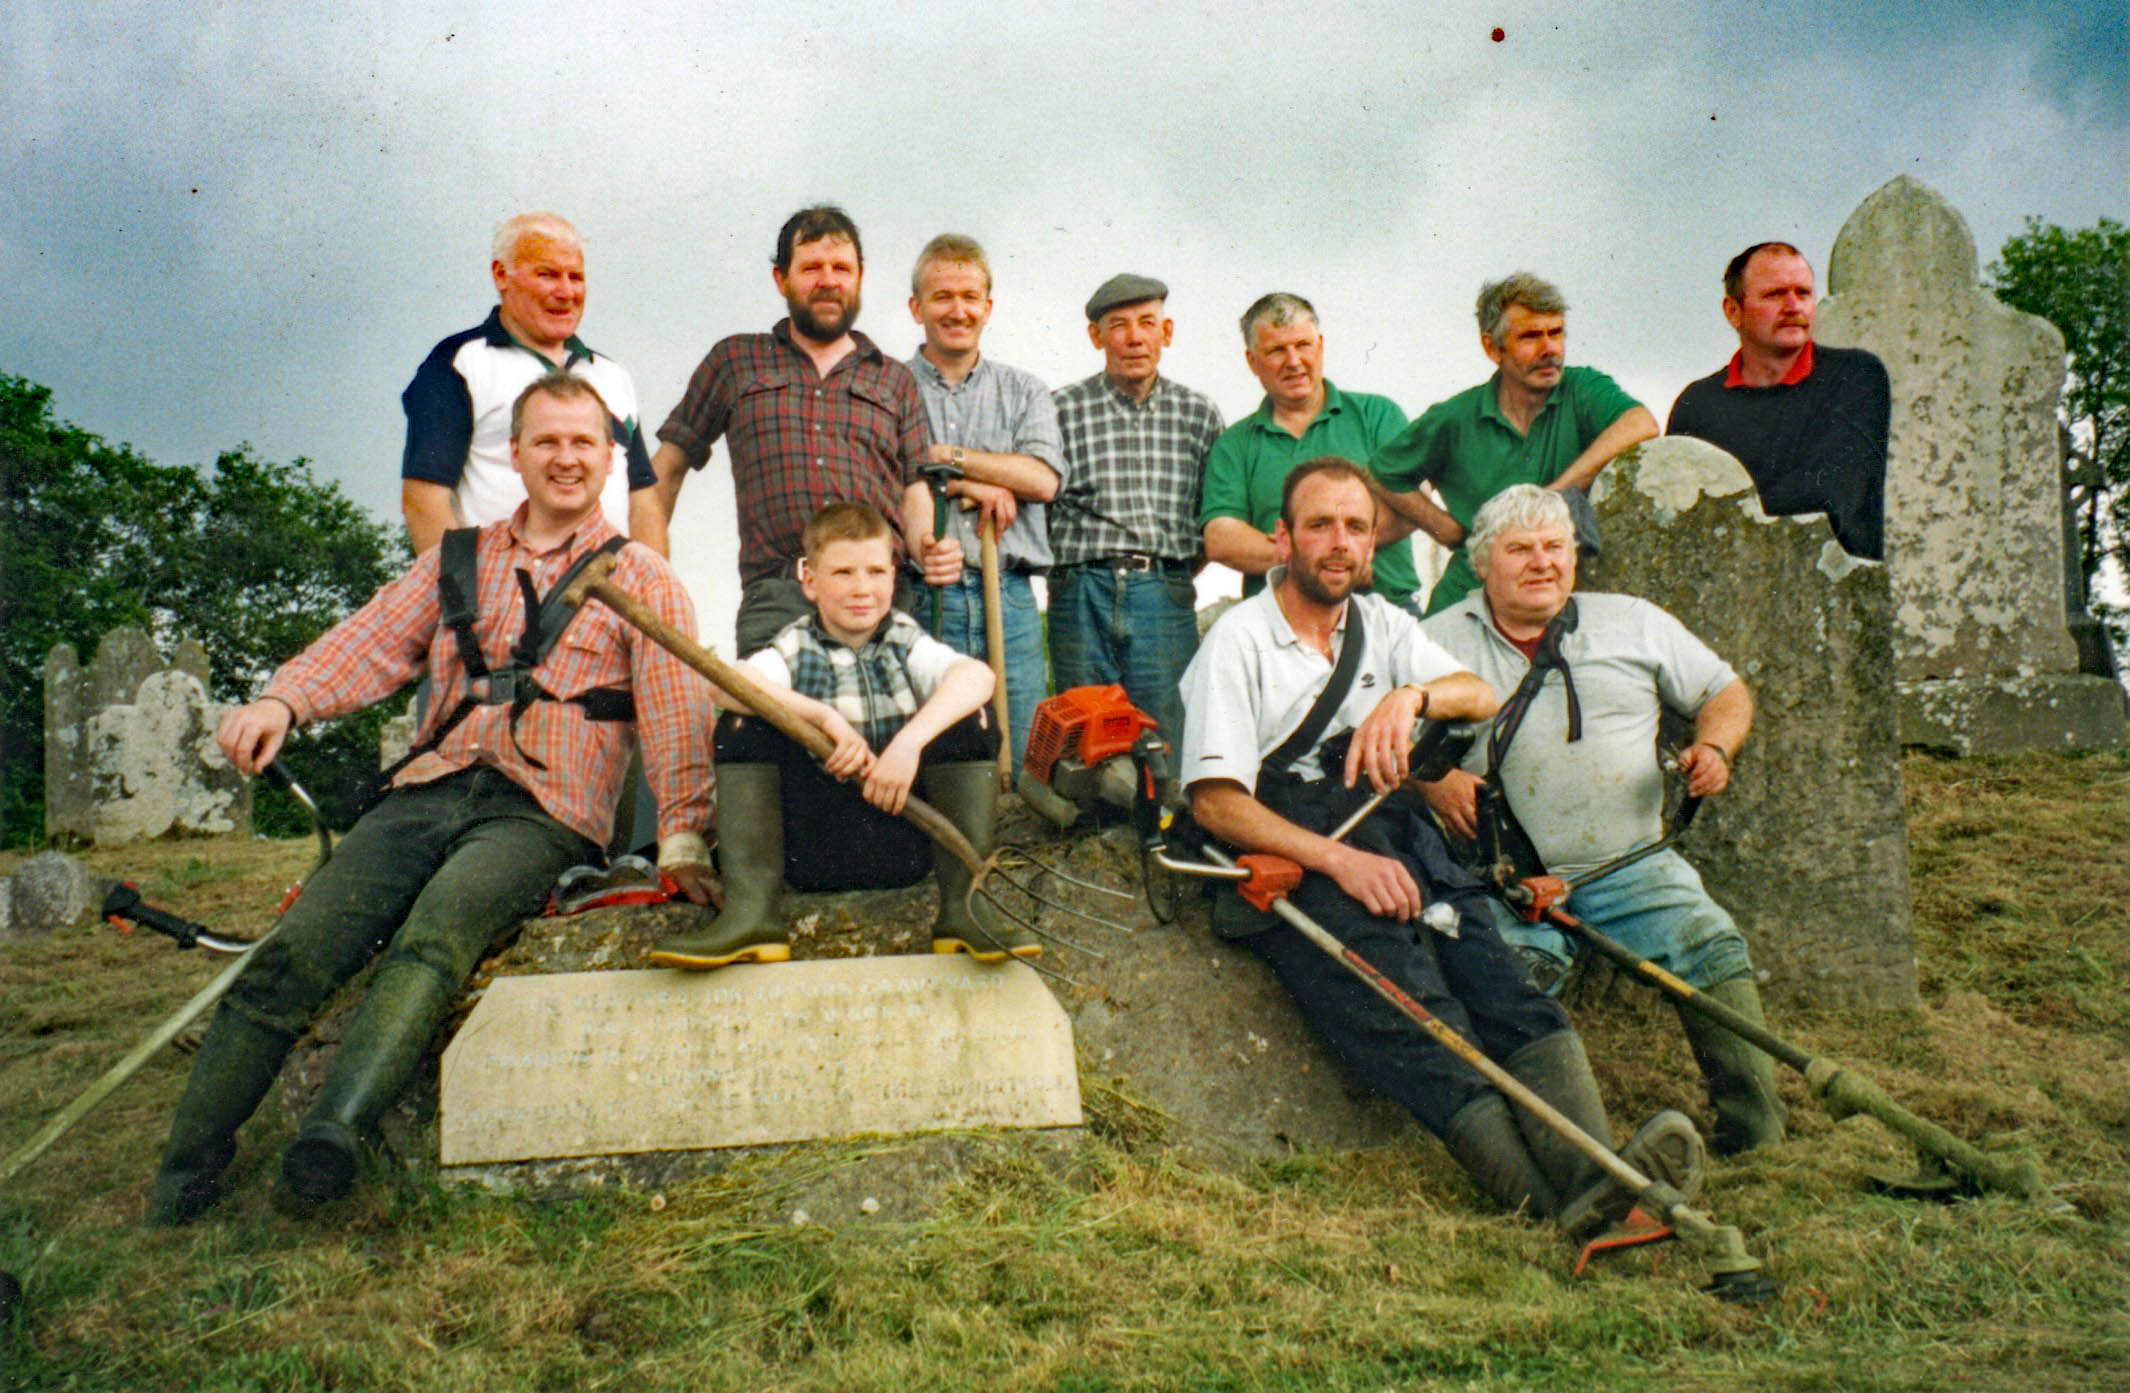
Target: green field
{"points": [[1125, 1267]]}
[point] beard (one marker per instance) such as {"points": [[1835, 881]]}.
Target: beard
{"points": [[1315, 590], [825, 319]]}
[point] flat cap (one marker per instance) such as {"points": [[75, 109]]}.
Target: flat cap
{"points": [[1124, 289]]}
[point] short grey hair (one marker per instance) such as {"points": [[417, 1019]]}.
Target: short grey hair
{"points": [[1517, 506], [1516, 288], [950, 248], [1279, 309], [512, 232]]}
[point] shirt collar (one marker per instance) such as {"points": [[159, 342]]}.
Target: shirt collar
{"points": [[1282, 630], [928, 370], [861, 346], [1734, 375], [590, 533], [1124, 398], [497, 336], [1334, 402], [1490, 402]]}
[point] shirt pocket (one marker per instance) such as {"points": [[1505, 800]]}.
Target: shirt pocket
{"points": [[874, 429], [764, 408]]}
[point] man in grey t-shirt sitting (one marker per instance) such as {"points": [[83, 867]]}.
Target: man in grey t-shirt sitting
{"points": [[1585, 680]]}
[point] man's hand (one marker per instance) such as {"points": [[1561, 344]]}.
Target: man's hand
{"points": [[684, 859], [888, 782], [942, 561], [852, 755], [998, 504], [698, 884], [1382, 744], [251, 735], [1455, 799], [1381, 884], [1707, 769]]}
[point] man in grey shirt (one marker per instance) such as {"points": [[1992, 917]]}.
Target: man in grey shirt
{"points": [[997, 425]]}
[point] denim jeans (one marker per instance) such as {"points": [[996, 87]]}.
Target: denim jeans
{"points": [[1656, 908], [961, 625], [1135, 628]]}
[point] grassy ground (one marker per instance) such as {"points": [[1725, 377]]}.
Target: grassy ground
{"points": [[1128, 1269]]}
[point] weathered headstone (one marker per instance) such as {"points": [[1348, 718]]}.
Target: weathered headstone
{"points": [[1809, 847], [603, 1062], [49, 891], [129, 747], [1974, 499]]}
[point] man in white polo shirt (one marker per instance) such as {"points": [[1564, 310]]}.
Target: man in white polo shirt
{"points": [[1306, 658], [456, 471], [1573, 757]]}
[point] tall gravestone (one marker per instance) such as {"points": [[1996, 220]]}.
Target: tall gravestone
{"points": [[1809, 847], [1974, 499], [129, 752]]}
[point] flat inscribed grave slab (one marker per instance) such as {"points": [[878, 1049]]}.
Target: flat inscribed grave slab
{"points": [[612, 1063]]}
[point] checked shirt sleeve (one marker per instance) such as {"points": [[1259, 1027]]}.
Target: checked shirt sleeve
{"points": [[672, 701]]}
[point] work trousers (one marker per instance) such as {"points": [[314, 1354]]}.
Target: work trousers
{"points": [[1473, 983], [960, 610], [436, 871], [833, 838], [1138, 629]]}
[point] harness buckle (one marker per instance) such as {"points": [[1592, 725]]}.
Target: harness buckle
{"points": [[503, 686]]}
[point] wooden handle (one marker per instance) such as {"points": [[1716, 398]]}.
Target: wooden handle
{"points": [[995, 643]]}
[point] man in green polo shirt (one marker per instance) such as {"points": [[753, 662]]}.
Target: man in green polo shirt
{"points": [[1535, 421], [1302, 418]]}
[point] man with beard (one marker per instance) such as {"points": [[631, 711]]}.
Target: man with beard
{"points": [[1536, 421], [1306, 658], [813, 413], [1808, 423]]}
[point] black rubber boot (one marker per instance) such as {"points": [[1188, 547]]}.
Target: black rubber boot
{"points": [[235, 1066], [1740, 1076], [1667, 1149], [1557, 1070], [1485, 1140], [750, 857], [968, 794], [390, 1037]]}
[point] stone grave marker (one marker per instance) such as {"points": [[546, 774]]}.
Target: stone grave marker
{"points": [[581, 1064], [1809, 847], [1974, 495]]}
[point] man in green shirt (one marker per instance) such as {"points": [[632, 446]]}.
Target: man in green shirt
{"points": [[1303, 417], [1535, 421]]}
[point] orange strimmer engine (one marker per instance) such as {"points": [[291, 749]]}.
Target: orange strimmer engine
{"points": [[1085, 747]]}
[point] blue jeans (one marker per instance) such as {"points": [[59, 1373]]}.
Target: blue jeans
{"points": [[961, 625], [1656, 908], [1135, 628]]}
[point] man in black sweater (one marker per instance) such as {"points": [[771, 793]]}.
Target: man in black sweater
{"points": [[1808, 423]]}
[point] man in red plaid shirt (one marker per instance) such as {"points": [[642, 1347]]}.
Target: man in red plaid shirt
{"points": [[505, 794], [812, 413]]}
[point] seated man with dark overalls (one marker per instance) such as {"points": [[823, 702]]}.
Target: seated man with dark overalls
{"points": [[1305, 659], [513, 780], [901, 708]]}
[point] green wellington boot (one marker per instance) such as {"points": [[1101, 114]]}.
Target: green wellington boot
{"points": [[1666, 1148], [968, 794], [235, 1066], [750, 854], [1740, 1075], [389, 1038], [1485, 1140]]}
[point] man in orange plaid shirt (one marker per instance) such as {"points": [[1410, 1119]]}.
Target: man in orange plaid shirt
{"points": [[516, 780]]}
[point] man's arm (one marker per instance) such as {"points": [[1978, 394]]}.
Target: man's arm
{"points": [[1233, 542], [1720, 730], [1406, 513], [966, 686], [651, 509], [1382, 743], [1382, 884], [427, 509], [1630, 427], [1024, 475]]}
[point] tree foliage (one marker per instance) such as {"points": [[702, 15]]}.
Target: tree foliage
{"points": [[2080, 282], [254, 560]]}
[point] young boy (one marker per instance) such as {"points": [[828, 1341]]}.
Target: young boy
{"points": [[900, 706]]}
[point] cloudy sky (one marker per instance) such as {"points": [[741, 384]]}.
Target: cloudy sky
{"points": [[230, 223]]}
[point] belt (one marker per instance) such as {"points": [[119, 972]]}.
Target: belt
{"points": [[1133, 562]]}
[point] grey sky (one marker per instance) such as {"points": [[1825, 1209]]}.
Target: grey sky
{"points": [[226, 226]]}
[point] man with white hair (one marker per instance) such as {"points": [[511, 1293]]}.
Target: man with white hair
{"points": [[1535, 421], [456, 471], [1568, 771]]}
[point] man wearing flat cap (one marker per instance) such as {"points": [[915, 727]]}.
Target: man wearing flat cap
{"points": [[1124, 528]]}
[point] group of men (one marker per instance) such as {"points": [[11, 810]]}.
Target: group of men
{"points": [[525, 457]]}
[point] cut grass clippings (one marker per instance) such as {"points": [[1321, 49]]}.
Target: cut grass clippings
{"points": [[1129, 1267]]}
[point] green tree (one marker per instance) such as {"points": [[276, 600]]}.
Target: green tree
{"points": [[2080, 282], [254, 561]]}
